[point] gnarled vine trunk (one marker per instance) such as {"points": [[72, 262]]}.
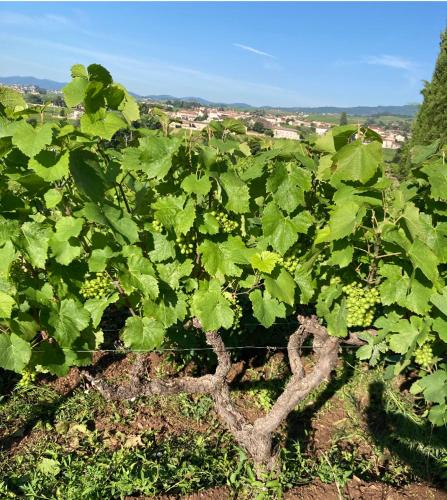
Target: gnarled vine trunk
{"points": [[256, 438]]}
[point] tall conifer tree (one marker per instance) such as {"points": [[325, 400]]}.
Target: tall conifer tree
{"points": [[431, 120]]}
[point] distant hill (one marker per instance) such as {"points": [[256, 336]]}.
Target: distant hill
{"points": [[406, 110], [31, 80]]}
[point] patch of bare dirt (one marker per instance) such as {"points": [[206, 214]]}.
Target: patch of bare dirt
{"points": [[357, 489], [326, 425], [219, 493], [317, 490], [214, 494]]}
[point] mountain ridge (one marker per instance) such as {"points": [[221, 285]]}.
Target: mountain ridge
{"points": [[403, 110]]}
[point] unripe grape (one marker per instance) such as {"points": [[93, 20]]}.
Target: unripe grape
{"points": [[157, 226], [185, 248], [226, 224], [28, 377], [360, 303], [424, 356], [97, 287], [237, 310], [19, 271]]}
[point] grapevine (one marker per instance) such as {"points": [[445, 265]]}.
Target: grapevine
{"points": [[301, 220]]}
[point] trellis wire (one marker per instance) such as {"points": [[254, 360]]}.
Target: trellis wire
{"points": [[187, 349], [183, 349]]}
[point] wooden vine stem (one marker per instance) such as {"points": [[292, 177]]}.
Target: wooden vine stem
{"points": [[256, 438]]}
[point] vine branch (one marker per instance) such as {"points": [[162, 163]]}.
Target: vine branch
{"points": [[257, 437]]}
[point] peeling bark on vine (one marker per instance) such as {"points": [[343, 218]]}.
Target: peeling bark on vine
{"points": [[256, 438]]}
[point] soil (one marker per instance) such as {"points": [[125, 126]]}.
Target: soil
{"points": [[322, 427], [361, 490], [354, 490]]}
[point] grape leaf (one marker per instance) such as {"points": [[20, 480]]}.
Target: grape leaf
{"points": [[357, 161], [184, 219], [52, 197], [407, 332], [281, 232], [264, 261], [74, 91], [104, 125], [142, 333], [343, 220], [237, 192], [433, 386], [15, 352], [11, 98], [32, 140], [266, 308], [164, 249], [194, 184], [281, 286], [424, 259], [64, 245], [34, 241], [6, 305], [217, 261], [68, 320], [211, 307]]}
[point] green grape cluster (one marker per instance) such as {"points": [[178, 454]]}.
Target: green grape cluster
{"points": [[43, 276], [424, 355], [361, 303], [237, 310], [97, 287], [186, 244], [18, 271], [157, 226], [320, 258], [225, 222], [28, 377], [290, 263]]}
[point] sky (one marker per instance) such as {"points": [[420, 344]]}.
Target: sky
{"points": [[260, 53]]}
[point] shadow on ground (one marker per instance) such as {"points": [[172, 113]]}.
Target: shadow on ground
{"points": [[45, 408], [415, 444]]}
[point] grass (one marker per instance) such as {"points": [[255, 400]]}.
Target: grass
{"points": [[81, 447]]}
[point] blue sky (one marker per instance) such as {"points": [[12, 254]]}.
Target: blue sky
{"points": [[285, 54]]}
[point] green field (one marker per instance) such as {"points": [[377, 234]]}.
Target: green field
{"points": [[385, 119]]}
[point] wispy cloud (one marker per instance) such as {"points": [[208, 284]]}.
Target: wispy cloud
{"points": [[253, 50], [391, 61], [138, 71], [44, 20]]}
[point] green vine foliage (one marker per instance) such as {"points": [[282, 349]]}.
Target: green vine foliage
{"points": [[176, 226]]}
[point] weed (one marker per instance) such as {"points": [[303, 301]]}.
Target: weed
{"points": [[67, 454], [197, 407]]}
